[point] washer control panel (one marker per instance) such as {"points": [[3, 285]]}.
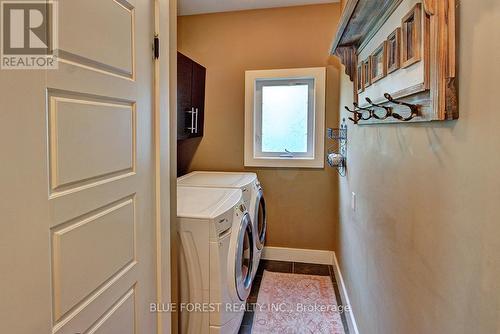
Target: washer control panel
{"points": [[223, 223]]}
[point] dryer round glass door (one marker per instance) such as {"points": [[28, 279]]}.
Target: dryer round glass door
{"points": [[260, 216], [244, 258]]}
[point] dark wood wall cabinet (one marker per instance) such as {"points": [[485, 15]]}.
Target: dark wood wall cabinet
{"points": [[190, 98]]}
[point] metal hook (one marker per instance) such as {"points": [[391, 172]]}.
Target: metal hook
{"points": [[349, 110], [370, 111], [353, 120], [413, 107], [357, 115], [388, 110]]}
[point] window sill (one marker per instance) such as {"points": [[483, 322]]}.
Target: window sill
{"points": [[278, 162]]}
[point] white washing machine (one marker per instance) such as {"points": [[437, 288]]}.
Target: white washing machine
{"points": [[253, 197], [216, 261]]}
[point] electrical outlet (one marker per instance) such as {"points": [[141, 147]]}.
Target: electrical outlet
{"points": [[353, 201]]}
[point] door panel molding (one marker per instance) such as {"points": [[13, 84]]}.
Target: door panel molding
{"points": [[94, 52], [90, 64], [122, 326], [90, 113], [77, 244]]}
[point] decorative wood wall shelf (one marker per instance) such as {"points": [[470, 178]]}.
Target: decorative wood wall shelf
{"points": [[424, 76]]}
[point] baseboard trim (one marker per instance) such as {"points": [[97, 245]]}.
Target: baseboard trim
{"points": [[298, 255], [353, 327]]}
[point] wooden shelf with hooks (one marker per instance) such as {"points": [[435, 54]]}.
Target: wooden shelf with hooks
{"points": [[408, 48]]}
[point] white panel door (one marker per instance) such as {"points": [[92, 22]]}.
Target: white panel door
{"points": [[77, 241]]}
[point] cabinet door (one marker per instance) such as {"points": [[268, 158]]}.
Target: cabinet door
{"points": [[184, 92], [198, 98]]}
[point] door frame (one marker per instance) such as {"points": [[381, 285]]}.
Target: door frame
{"points": [[165, 137]]}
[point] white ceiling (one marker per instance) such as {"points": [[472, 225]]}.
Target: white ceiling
{"points": [[191, 7]]}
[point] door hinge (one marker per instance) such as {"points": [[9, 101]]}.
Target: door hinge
{"points": [[156, 47]]}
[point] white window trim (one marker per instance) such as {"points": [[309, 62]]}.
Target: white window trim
{"points": [[318, 160]]}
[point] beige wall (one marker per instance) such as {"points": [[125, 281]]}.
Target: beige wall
{"points": [[421, 254], [302, 204]]}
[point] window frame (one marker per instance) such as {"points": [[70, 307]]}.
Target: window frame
{"points": [[314, 158], [258, 128]]}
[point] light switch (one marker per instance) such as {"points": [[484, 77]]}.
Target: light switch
{"points": [[353, 201]]}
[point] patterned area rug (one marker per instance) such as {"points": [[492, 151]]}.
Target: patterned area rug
{"points": [[293, 303]]}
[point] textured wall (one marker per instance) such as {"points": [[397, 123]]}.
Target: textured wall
{"points": [[421, 254], [302, 203]]}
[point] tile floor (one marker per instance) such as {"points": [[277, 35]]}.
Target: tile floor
{"points": [[288, 267]]}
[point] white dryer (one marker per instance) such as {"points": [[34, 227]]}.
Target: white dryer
{"points": [[216, 261], [253, 196]]}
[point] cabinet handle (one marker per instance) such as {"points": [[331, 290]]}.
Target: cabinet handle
{"points": [[196, 121], [192, 119]]}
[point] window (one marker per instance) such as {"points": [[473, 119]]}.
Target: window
{"points": [[284, 118], [411, 34]]}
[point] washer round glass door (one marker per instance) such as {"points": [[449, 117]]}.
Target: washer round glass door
{"points": [[244, 258], [260, 216]]}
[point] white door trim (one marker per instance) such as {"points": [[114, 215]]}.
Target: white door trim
{"points": [[165, 91]]}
